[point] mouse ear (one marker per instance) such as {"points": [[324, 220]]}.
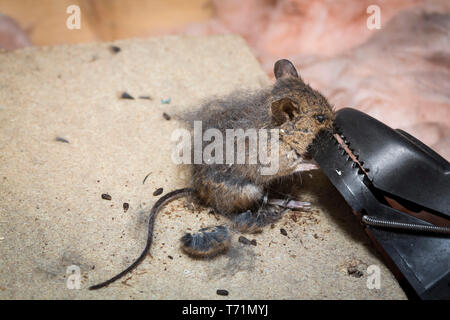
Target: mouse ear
{"points": [[284, 68], [282, 110]]}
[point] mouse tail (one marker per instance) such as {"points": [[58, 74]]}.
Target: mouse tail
{"points": [[157, 206]]}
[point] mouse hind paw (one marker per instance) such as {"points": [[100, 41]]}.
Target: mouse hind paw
{"points": [[248, 222], [207, 242], [253, 222]]}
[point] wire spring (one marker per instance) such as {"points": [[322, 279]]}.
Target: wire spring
{"points": [[371, 221]]}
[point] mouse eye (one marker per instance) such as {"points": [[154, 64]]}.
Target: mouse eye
{"points": [[321, 118]]}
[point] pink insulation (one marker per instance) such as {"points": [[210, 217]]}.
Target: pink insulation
{"points": [[399, 74]]}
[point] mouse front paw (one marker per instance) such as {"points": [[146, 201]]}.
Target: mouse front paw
{"points": [[254, 222]]}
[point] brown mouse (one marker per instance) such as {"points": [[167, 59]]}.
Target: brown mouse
{"points": [[291, 106]]}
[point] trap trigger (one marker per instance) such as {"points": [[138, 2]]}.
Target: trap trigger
{"points": [[400, 190]]}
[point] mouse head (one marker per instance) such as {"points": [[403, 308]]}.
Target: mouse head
{"points": [[298, 110]]}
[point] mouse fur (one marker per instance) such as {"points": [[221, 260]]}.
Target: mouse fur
{"points": [[290, 105]]}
